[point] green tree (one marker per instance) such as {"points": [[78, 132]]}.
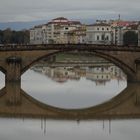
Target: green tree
{"points": [[7, 34], [130, 38], [1, 37]]}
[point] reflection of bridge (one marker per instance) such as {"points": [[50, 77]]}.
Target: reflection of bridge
{"points": [[126, 104], [15, 60]]}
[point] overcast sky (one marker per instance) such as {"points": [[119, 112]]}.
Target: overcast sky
{"points": [[31, 10]]}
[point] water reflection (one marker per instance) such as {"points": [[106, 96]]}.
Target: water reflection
{"points": [[126, 104], [67, 130], [74, 87]]}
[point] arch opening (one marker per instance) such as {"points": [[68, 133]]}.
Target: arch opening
{"points": [[2, 77], [52, 88]]}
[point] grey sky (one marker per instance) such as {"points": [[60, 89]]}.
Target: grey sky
{"points": [[30, 10]]}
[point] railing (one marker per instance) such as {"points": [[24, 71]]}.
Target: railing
{"points": [[19, 47]]}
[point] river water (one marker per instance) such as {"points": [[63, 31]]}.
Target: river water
{"points": [[71, 87], [33, 129]]}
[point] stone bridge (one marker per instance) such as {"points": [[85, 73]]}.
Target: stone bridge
{"points": [[16, 59]]}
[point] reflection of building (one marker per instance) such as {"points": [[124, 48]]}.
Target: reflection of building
{"points": [[99, 74], [60, 74]]}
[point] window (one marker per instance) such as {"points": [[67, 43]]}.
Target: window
{"points": [[103, 29], [103, 37], [107, 37], [98, 37], [102, 69], [98, 29]]}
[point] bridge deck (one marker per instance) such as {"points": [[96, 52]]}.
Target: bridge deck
{"points": [[63, 47]]}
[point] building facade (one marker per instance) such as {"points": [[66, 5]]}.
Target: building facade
{"points": [[58, 31], [139, 34], [63, 31], [38, 35], [99, 33]]}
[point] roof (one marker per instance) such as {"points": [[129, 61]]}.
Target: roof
{"points": [[74, 22], [64, 23], [123, 23], [99, 24], [133, 27], [60, 18]]}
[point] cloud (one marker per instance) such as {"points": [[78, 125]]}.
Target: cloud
{"points": [[28, 10]]}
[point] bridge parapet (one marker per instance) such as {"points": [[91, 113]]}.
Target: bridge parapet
{"points": [[19, 47]]}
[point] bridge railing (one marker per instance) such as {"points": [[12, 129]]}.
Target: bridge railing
{"points": [[14, 47]]}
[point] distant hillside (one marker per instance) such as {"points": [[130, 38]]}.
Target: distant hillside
{"points": [[20, 25], [27, 25]]}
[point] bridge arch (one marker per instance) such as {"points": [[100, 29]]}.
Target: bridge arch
{"points": [[127, 70], [38, 59]]}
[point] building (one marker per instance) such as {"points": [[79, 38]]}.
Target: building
{"points": [[77, 36], [119, 28], [36, 35], [58, 31], [139, 34], [117, 35], [63, 31], [99, 33]]}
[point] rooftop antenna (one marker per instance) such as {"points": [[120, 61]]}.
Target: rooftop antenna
{"points": [[119, 17]]}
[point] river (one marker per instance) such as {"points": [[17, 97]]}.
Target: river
{"points": [[71, 88], [34, 129]]}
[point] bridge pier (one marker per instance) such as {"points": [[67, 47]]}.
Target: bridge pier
{"points": [[13, 80]]}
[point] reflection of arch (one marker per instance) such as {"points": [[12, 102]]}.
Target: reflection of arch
{"points": [[117, 106], [126, 104], [126, 68], [122, 104]]}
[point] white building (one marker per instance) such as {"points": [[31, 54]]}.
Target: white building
{"points": [[59, 29], [77, 36], [99, 33], [139, 35], [117, 35], [120, 27], [38, 35], [63, 31], [55, 31]]}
